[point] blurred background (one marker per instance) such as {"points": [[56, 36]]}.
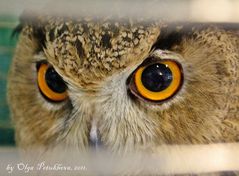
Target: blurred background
{"points": [[7, 44], [171, 10]]}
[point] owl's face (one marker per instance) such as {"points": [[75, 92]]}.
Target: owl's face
{"points": [[123, 84]]}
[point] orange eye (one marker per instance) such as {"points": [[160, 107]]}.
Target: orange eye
{"points": [[51, 84], [158, 81]]}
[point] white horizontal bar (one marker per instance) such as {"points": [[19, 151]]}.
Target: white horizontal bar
{"points": [[175, 10]]}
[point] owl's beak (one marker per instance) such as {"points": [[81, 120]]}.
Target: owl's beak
{"points": [[95, 139]]}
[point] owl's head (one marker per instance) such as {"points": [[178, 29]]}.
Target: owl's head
{"points": [[123, 84]]}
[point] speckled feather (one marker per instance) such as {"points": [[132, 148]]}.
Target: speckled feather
{"points": [[96, 47]]}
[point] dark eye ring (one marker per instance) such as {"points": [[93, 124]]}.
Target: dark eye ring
{"points": [[157, 81], [50, 83]]}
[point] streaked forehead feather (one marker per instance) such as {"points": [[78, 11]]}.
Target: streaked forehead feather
{"points": [[98, 46]]}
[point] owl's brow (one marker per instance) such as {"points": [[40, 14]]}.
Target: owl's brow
{"points": [[174, 33]]}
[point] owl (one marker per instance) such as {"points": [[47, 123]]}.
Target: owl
{"points": [[124, 84]]}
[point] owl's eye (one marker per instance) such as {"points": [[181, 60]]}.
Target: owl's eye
{"points": [[158, 81], [50, 83]]}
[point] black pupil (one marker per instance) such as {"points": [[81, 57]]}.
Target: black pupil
{"points": [[156, 77], [54, 81]]}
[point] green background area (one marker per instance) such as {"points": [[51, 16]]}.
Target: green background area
{"points": [[7, 45]]}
